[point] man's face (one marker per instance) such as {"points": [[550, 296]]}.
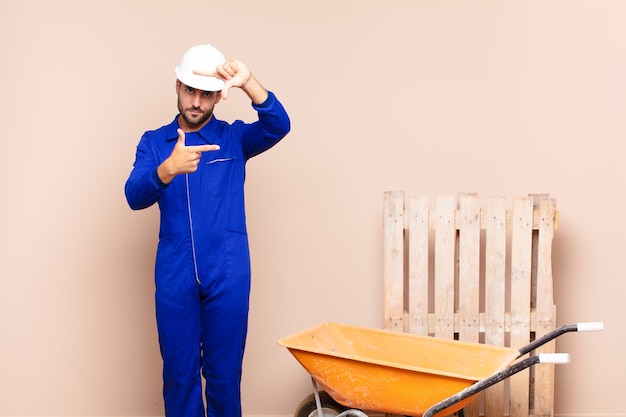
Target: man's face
{"points": [[195, 106]]}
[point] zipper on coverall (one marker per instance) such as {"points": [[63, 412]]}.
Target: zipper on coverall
{"points": [[193, 241]]}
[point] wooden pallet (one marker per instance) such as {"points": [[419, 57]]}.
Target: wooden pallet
{"points": [[479, 271]]}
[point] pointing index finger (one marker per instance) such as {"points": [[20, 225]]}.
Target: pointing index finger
{"points": [[203, 148], [205, 73]]}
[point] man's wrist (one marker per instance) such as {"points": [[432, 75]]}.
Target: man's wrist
{"points": [[157, 180], [164, 174], [257, 93]]}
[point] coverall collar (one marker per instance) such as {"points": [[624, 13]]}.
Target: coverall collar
{"points": [[172, 134]]}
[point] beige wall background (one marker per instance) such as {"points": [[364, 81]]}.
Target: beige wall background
{"points": [[499, 98]]}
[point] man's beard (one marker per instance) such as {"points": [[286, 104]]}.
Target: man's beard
{"points": [[194, 122]]}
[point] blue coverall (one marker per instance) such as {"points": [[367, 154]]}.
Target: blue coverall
{"points": [[202, 271]]}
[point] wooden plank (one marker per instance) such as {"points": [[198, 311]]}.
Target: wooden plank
{"points": [[495, 291], [469, 277], [445, 233], [546, 321], [483, 323], [418, 265], [521, 260], [509, 220], [393, 259], [469, 268]]}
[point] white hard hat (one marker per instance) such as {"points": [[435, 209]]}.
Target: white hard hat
{"points": [[203, 58]]}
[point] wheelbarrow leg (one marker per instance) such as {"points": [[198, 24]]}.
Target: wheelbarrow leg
{"points": [[318, 401], [320, 413]]}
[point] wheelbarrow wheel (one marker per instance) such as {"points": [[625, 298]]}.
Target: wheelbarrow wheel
{"points": [[308, 407]]}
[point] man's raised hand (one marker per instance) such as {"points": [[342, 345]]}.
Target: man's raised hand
{"points": [[233, 72]]}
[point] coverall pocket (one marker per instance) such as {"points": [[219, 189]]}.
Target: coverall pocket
{"points": [[237, 255], [220, 176]]}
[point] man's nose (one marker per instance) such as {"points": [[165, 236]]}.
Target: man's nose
{"points": [[196, 99]]}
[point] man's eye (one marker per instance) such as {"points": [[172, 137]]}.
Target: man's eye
{"points": [[189, 90], [208, 94]]}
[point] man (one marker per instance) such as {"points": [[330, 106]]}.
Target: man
{"points": [[194, 168]]}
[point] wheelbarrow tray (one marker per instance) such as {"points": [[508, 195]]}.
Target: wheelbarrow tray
{"points": [[392, 372]]}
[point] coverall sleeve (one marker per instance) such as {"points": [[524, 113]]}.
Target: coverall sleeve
{"points": [[144, 187], [272, 126]]}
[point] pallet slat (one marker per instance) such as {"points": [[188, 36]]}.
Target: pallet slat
{"points": [[418, 265], [445, 240], [521, 267], [469, 268], [468, 292], [494, 325], [393, 260], [544, 375]]}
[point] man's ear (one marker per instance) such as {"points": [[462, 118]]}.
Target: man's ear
{"points": [[177, 85], [219, 96]]}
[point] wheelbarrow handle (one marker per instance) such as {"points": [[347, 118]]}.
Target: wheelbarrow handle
{"points": [[591, 326], [554, 358], [579, 327], [482, 385]]}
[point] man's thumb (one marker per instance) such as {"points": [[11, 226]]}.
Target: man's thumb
{"points": [[224, 92], [181, 136]]}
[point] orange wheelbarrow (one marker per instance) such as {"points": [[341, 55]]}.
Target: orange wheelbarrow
{"points": [[360, 369]]}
